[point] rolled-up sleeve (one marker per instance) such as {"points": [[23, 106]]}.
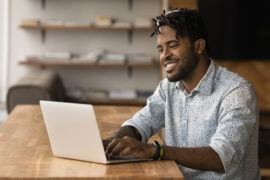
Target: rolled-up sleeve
{"points": [[151, 118], [238, 118]]}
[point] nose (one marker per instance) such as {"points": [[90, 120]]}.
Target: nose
{"points": [[165, 54]]}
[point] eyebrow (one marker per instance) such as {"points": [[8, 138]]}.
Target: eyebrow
{"points": [[168, 42]]}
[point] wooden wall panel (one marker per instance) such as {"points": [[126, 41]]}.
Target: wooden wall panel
{"points": [[190, 4], [258, 73]]}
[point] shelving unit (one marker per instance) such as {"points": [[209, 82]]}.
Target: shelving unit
{"points": [[39, 25]]}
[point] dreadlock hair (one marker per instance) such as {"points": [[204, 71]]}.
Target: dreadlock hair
{"points": [[186, 23]]}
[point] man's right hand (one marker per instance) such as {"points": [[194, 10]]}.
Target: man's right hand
{"points": [[121, 132], [130, 146]]}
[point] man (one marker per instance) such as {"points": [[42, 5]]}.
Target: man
{"points": [[209, 114]]}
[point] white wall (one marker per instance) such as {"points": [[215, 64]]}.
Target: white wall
{"points": [[29, 41], [1, 46]]}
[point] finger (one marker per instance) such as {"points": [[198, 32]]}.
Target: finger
{"points": [[111, 145], [126, 151], [105, 143], [118, 148], [127, 137]]}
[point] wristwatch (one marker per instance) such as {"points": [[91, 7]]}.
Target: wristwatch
{"points": [[159, 151]]}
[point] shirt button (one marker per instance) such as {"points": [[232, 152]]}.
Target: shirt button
{"points": [[185, 121]]}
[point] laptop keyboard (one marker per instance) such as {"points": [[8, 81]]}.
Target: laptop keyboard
{"points": [[121, 157]]}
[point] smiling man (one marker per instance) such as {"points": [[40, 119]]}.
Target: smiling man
{"points": [[209, 114]]}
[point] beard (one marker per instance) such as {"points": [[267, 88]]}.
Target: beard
{"points": [[186, 68]]}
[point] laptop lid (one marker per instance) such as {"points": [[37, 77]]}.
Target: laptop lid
{"points": [[73, 131]]}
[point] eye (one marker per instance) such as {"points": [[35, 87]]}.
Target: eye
{"points": [[160, 50], [174, 45]]}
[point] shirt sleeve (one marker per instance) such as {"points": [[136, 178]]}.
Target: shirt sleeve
{"points": [[238, 119], [151, 118]]}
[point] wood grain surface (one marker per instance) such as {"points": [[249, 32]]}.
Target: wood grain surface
{"points": [[25, 151]]}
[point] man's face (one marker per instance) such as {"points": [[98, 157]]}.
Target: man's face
{"points": [[176, 55]]}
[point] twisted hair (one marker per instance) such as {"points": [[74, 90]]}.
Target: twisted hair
{"points": [[186, 23]]}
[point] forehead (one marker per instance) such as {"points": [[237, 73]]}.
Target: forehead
{"points": [[166, 32], [168, 35]]}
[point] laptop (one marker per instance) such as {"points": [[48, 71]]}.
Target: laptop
{"points": [[74, 134]]}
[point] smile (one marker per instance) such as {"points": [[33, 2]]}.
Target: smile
{"points": [[169, 66]]}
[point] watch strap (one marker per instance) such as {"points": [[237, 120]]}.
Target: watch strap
{"points": [[159, 151]]}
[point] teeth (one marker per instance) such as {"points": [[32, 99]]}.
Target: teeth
{"points": [[170, 65]]}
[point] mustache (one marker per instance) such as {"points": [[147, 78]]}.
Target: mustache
{"points": [[169, 58]]}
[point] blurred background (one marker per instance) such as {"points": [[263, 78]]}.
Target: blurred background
{"points": [[100, 51]]}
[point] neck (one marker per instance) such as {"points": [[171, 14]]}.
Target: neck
{"points": [[194, 78]]}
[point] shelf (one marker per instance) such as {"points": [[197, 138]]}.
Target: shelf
{"points": [[84, 64], [43, 28], [82, 28], [122, 102], [130, 4]]}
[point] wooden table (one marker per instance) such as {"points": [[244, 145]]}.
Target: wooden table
{"points": [[25, 150]]}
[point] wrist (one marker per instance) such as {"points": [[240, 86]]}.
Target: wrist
{"points": [[152, 151], [159, 151]]}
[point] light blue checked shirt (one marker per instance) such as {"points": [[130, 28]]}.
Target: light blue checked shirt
{"points": [[221, 112]]}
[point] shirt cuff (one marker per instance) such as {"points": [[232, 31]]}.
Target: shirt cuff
{"points": [[138, 127], [225, 152]]}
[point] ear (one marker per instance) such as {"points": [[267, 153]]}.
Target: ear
{"points": [[199, 46]]}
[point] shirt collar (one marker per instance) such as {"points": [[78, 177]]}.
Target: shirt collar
{"points": [[205, 85]]}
